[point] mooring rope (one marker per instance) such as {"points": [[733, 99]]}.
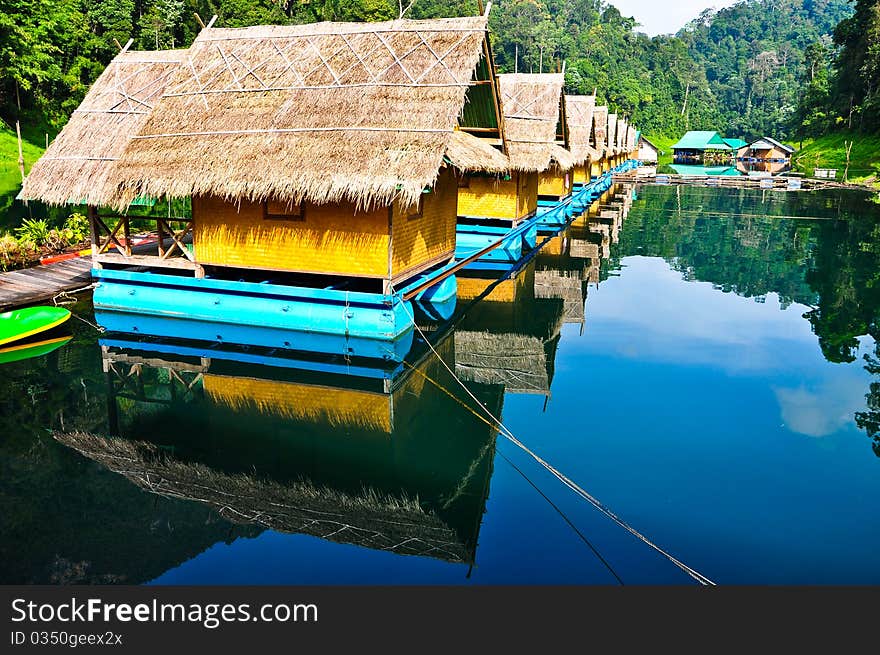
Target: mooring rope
{"points": [[568, 482], [68, 298]]}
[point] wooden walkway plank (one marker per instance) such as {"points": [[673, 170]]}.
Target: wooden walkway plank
{"points": [[40, 283]]}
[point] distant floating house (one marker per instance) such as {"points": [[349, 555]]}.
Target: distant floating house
{"points": [[767, 150], [648, 152], [698, 147]]}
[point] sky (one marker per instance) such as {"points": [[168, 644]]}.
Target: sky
{"points": [[665, 16]]}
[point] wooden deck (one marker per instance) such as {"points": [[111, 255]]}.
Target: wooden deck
{"points": [[41, 283]]}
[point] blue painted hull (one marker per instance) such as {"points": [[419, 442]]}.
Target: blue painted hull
{"points": [[470, 239], [294, 318], [437, 303]]}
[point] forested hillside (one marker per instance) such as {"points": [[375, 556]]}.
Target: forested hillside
{"points": [[741, 70]]}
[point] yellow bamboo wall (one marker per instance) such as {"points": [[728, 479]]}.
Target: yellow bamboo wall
{"points": [[419, 240], [554, 182], [527, 194], [581, 174], [596, 168], [489, 197], [333, 238]]}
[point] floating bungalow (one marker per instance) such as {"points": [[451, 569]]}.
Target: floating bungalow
{"points": [[600, 140], [535, 137], [701, 147], [736, 145], [321, 164], [622, 136], [499, 199], [579, 112], [765, 150]]}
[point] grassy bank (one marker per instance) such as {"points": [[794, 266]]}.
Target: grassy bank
{"points": [[830, 152], [664, 148], [10, 176]]}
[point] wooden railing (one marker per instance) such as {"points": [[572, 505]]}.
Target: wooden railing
{"points": [[112, 241]]}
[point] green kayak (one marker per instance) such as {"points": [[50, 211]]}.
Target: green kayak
{"points": [[23, 323], [22, 351]]}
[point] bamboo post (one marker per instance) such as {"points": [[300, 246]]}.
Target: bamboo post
{"points": [[20, 151], [92, 213]]}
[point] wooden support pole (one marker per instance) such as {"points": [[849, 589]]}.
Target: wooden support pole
{"points": [[92, 213], [20, 151]]}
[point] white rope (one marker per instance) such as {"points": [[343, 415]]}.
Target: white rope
{"points": [[568, 482]]}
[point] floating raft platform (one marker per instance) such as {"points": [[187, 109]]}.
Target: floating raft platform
{"points": [[777, 182], [30, 286]]}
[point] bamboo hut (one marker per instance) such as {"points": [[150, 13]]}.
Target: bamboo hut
{"points": [[77, 168], [344, 457], [622, 131], [316, 148], [612, 140], [579, 117], [600, 140], [318, 158], [537, 134]]}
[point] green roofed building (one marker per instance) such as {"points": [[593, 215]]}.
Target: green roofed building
{"points": [[700, 146], [736, 144]]}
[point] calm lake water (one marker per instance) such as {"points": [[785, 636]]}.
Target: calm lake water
{"points": [[707, 370]]}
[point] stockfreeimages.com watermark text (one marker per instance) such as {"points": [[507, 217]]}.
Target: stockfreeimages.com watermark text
{"points": [[208, 615]]}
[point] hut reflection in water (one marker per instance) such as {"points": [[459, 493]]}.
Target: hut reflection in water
{"points": [[355, 460]]}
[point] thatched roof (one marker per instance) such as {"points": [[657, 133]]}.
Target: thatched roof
{"points": [[77, 165], [324, 112], [600, 128], [612, 132], [579, 117], [470, 153], [396, 523], [622, 128], [531, 103]]}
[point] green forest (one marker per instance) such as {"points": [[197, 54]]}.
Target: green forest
{"points": [[790, 68]]}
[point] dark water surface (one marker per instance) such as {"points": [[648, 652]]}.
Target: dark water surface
{"points": [[707, 370]]}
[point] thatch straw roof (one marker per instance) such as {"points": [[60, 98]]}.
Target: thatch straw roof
{"points": [[469, 153], [622, 127], [396, 523], [78, 164], [600, 128], [324, 112], [531, 103], [579, 117], [631, 138], [612, 133]]}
